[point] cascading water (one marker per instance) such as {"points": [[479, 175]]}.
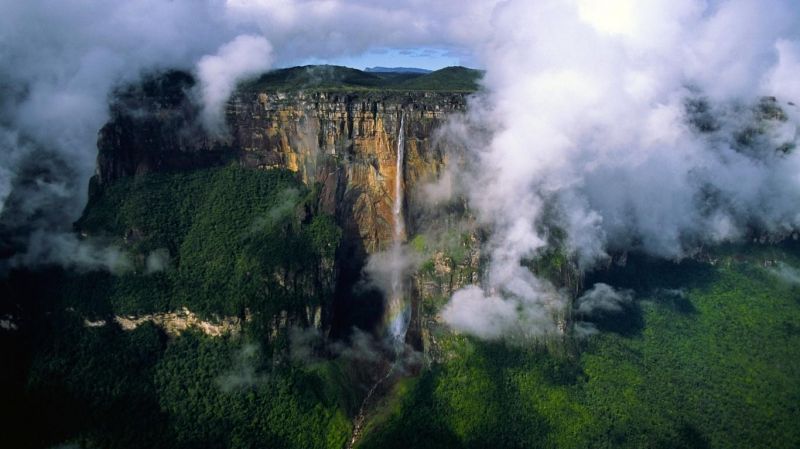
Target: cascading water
{"points": [[399, 313], [399, 224]]}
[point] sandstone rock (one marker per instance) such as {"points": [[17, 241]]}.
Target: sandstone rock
{"points": [[344, 142], [175, 323]]}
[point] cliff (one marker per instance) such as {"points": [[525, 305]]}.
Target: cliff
{"points": [[451, 264], [342, 143], [346, 144]]}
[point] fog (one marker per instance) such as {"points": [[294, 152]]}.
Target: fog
{"points": [[630, 126]]}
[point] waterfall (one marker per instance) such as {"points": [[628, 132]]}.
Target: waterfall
{"points": [[399, 312], [397, 210]]}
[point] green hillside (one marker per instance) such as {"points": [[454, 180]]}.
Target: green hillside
{"points": [[707, 358], [218, 227], [331, 77], [448, 78], [221, 236]]}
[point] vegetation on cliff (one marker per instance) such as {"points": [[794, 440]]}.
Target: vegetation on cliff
{"points": [[108, 388], [330, 77], [232, 239], [218, 241]]}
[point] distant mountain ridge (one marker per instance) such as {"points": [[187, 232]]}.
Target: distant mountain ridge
{"points": [[380, 69], [338, 78]]}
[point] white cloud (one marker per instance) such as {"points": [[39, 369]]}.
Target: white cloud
{"points": [[514, 318], [782, 79], [603, 298], [218, 74], [65, 249], [587, 109]]}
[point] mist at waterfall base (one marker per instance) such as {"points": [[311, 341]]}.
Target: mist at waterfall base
{"points": [[629, 126]]}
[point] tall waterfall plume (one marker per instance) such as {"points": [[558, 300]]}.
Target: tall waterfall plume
{"points": [[399, 311]]}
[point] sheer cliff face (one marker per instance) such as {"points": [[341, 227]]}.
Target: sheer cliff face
{"points": [[344, 144], [347, 143]]}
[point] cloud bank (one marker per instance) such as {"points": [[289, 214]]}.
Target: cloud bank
{"points": [[629, 126]]}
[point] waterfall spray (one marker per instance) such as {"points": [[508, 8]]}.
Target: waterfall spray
{"points": [[399, 313]]}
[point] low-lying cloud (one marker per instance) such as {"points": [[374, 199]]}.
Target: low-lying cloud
{"points": [[513, 317], [157, 261], [243, 57], [67, 250], [603, 298], [786, 273], [643, 126], [244, 372]]}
